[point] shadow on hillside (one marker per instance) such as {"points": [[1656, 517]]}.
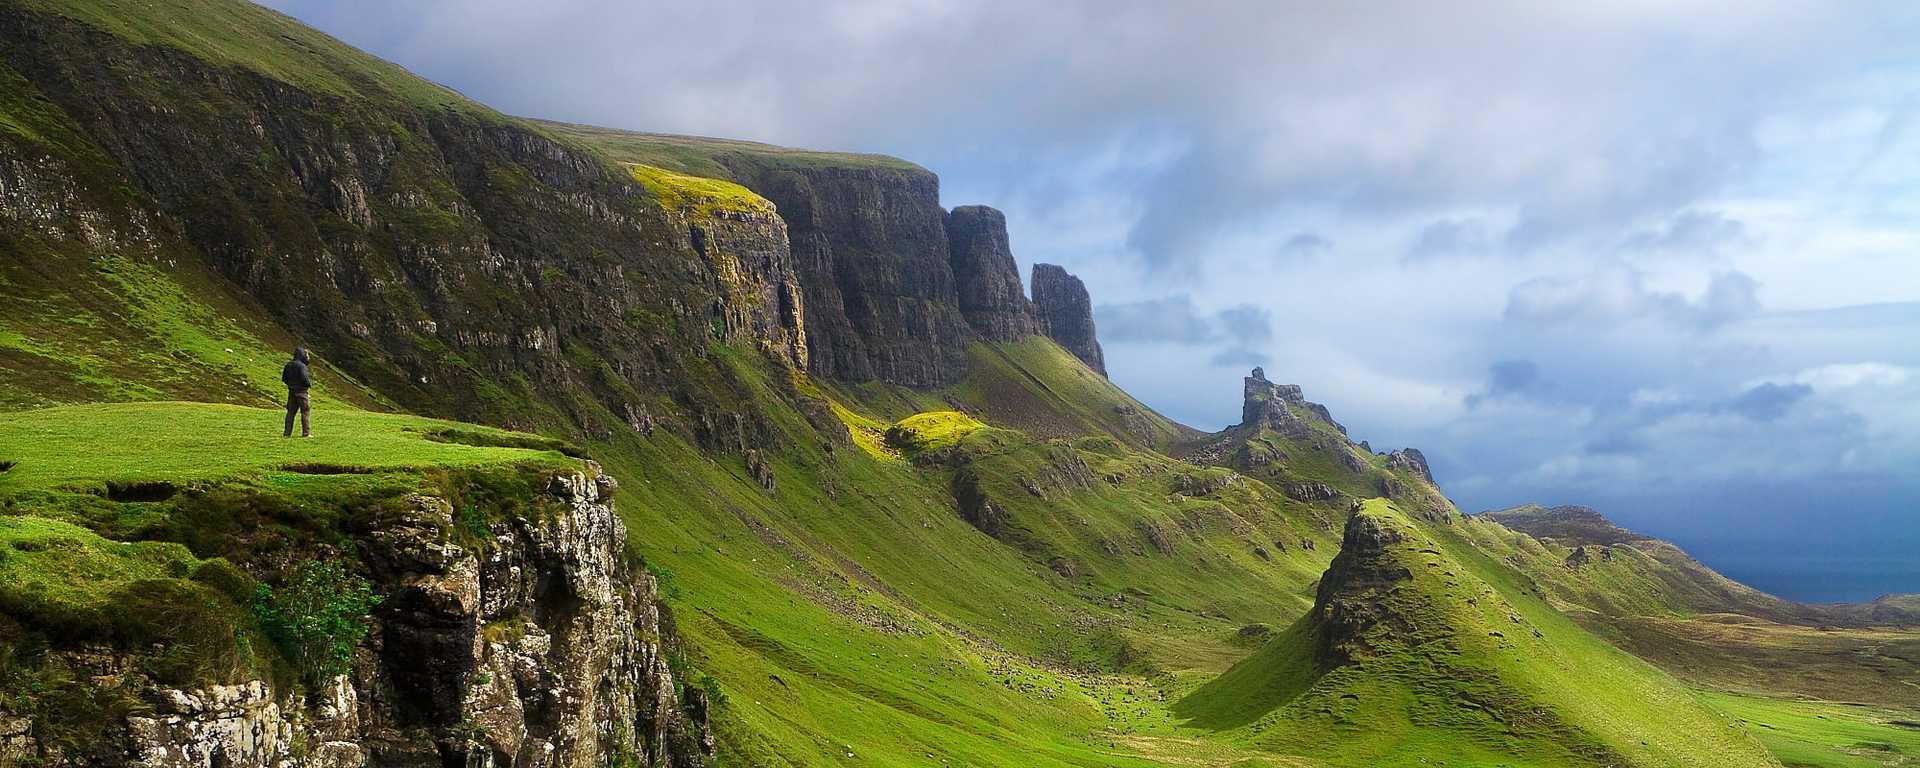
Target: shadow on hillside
{"points": [[1274, 675]]}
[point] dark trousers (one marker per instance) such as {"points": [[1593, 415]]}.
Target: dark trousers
{"points": [[298, 402]]}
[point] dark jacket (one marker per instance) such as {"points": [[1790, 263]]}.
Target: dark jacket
{"points": [[295, 375]]}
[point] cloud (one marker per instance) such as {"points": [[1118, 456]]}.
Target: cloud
{"points": [[1246, 323], [1569, 118], [1176, 320], [1689, 232], [1618, 293], [1449, 238], [1507, 377], [1238, 357], [1304, 246], [1769, 401], [1155, 320]]}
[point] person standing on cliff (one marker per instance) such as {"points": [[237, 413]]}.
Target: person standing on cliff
{"points": [[298, 380]]}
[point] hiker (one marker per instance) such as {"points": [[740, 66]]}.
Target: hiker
{"points": [[298, 381]]}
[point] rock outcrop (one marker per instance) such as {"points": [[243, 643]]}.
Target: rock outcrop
{"points": [[1066, 314], [986, 277], [1266, 404], [870, 245], [1352, 599], [757, 291], [1410, 460], [540, 646]]}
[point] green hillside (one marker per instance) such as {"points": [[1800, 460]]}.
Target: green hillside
{"points": [[1025, 567], [1417, 653], [1654, 600]]}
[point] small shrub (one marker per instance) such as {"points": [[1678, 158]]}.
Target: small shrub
{"points": [[716, 697], [317, 617], [664, 579], [471, 529]]}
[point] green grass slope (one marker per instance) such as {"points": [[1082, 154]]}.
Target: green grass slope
{"points": [[141, 529], [249, 36], [856, 599], [1652, 599], [1422, 651], [712, 158], [1814, 734]]}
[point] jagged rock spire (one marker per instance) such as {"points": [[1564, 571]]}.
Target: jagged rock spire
{"points": [[1066, 314], [1265, 403]]}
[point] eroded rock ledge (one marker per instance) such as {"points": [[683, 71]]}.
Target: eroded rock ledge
{"points": [[539, 645]]}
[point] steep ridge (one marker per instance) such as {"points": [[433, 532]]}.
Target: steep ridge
{"points": [[1651, 598], [1419, 645], [1683, 584], [1420, 649], [456, 261], [896, 287]]}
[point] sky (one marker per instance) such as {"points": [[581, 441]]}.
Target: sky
{"points": [[1654, 257]]}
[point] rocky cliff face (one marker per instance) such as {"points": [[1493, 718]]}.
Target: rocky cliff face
{"points": [[1066, 314], [757, 293], [459, 262], [870, 246], [986, 277], [540, 646]]}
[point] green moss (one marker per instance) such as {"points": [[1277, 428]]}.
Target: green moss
{"points": [[698, 196], [67, 585], [250, 37], [932, 431], [713, 157]]}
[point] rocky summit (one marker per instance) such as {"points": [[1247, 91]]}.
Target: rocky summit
{"points": [[875, 503]]}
